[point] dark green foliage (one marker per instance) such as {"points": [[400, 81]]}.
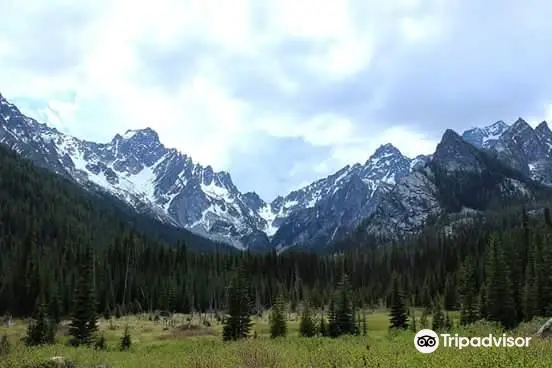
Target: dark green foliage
{"points": [[84, 322], [40, 331], [438, 320], [107, 314], [307, 324], [500, 304], [54, 308], [278, 323], [126, 340], [48, 223], [237, 324], [398, 318], [5, 345], [345, 313], [333, 325], [469, 294], [101, 343], [451, 294]]}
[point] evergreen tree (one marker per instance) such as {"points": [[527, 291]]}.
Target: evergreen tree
{"points": [[469, 310], [500, 303], [278, 323], [438, 320], [398, 317], [345, 314], [333, 324], [39, 330], [126, 340], [307, 325], [54, 308], [5, 345], [237, 324], [450, 295], [84, 322], [531, 285]]}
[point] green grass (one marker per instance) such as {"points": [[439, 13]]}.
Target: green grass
{"points": [[155, 345]]}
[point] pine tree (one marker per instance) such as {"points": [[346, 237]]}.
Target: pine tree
{"points": [[531, 285], [469, 311], [278, 323], [5, 345], [307, 325], [333, 324], [54, 308], [126, 340], [450, 295], [84, 322], [438, 320], [545, 279], [500, 303], [40, 331], [237, 324], [398, 318], [345, 314]]}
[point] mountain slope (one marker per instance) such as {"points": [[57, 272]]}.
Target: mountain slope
{"points": [[459, 177], [331, 207], [137, 168], [63, 209], [521, 147]]}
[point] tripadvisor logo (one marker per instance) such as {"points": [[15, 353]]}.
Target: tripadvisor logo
{"points": [[427, 341]]}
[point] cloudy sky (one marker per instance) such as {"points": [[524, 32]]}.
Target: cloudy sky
{"points": [[278, 92]]}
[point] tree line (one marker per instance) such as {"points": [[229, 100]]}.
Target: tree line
{"points": [[495, 268]]}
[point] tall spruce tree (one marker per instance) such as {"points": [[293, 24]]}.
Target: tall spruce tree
{"points": [[500, 304], [237, 323], [531, 284], [469, 295], [40, 330], [438, 320], [398, 318], [345, 313], [278, 323], [307, 325], [84, 322]]}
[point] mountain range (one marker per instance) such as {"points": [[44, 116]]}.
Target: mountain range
{"points": [[388, 194]]}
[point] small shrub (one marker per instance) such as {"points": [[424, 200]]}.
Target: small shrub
{"points": [[4, 345], [101, 343], [126, 341]]}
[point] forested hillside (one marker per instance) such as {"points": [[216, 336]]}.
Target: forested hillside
{"points": [[498, 268]]}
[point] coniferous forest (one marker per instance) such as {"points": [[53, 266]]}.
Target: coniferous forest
{"points": [[52, 234]]}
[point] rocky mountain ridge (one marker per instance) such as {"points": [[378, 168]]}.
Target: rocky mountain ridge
{"points": [[392, 190]]}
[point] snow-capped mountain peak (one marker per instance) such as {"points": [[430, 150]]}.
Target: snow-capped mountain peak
{"points": [[136, 167], [486, 136]]}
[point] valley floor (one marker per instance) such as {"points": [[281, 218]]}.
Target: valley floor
{"points": [[191, 344]]}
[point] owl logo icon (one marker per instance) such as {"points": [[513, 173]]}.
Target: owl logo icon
{"points": [[426, 341]]}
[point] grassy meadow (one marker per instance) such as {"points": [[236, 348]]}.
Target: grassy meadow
{"points": [[188, 342]]}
